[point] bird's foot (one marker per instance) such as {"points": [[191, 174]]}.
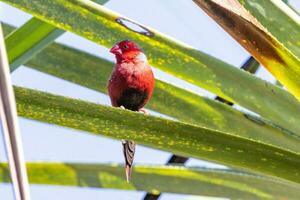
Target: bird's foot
{"points": [[144, 111]]}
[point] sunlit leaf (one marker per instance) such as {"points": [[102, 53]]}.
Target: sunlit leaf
{"points": [[279, 20], [270, 32], [25, 42], [172, 179], [31, 38], [176, 137]]}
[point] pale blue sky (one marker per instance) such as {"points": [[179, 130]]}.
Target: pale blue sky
{"points": [[43, 142]]}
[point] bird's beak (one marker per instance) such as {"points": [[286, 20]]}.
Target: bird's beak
{"points": [[116, 50]]}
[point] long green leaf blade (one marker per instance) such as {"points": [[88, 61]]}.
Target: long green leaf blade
{"points": [[196, 181], [31, 38], [176, 137], [106, 27], [279, 20], [274, 44]]}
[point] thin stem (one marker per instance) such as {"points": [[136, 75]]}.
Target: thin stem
{"points": [[10, 129]]}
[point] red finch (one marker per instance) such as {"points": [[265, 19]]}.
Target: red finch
{"points": [[130, 86]]}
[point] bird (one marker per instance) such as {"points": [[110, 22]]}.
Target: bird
{"points": [[130, 86]]}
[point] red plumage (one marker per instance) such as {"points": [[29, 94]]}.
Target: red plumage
{"points": [[132, 82], [130, 86]]}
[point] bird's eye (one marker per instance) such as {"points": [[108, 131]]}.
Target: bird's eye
{"points": [[125, 46]]}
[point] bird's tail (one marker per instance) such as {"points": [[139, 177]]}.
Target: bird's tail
{"points": [[128, 150]]}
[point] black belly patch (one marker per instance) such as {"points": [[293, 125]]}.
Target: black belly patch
{"points": [[132, 99]]}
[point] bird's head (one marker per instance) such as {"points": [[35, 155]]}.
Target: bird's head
{"points": [[126, 50]]}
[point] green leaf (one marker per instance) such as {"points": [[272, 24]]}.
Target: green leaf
{"points": [[176, 137], [279, 20], [105, 27], [93, 72], [31, 38], [172, 179], [270, 32]]}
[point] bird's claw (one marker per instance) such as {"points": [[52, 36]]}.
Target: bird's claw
{"points": [[144, 111]]}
